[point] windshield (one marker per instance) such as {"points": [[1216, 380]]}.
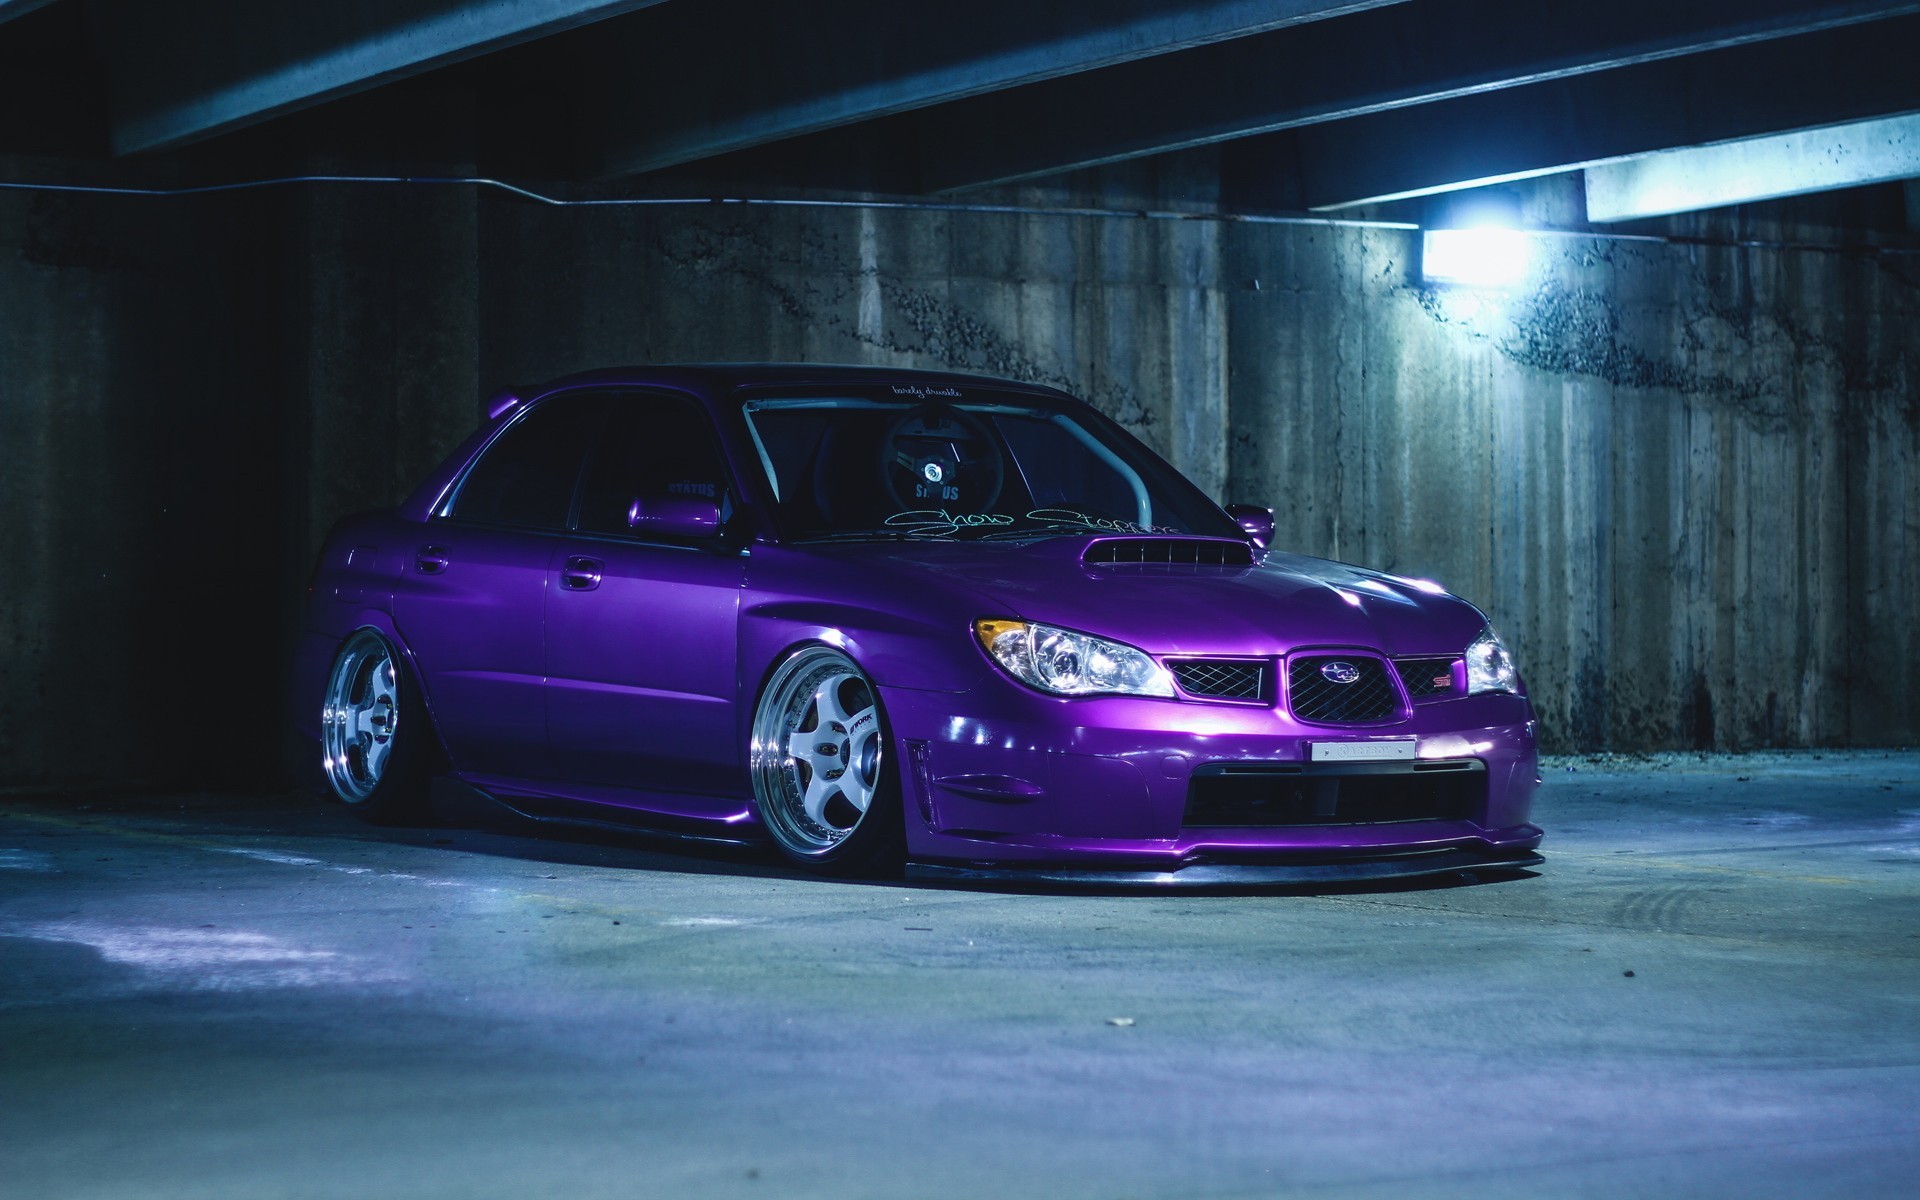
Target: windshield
{"points": [[936, 463]]}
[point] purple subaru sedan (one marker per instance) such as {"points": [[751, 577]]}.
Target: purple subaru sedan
{"points": [[878, 616]]}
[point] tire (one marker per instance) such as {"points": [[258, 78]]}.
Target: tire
{"points": [[824, 784], [373, 733]]}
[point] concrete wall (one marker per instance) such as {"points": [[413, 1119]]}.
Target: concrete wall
{"points": [[1681, 479], [1128, 314], [191, 392], [139, 571]]}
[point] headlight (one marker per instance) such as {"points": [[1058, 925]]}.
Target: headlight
{"points": [[1490, 665], [1071, 664]]}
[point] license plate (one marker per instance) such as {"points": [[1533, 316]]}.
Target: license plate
{"points": [[1378, 750]]}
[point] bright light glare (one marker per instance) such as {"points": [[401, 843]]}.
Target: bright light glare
{"points": [[1486, 257], [1423, 585]]}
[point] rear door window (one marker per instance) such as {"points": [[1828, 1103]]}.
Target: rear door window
{"points": [[527, 477]]}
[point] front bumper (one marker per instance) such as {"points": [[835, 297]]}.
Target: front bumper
{"points": [[1001, 777]]}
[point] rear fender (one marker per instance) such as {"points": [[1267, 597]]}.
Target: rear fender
{"points": [[316, 654]]}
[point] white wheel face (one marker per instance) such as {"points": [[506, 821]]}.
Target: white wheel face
{"points": [[817, 751], [361, 716]]}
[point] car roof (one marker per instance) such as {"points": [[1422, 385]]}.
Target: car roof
{"points": [[715, 379]]}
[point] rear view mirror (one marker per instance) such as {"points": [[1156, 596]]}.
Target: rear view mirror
{"points": [[674, 516], [1254, 521]]}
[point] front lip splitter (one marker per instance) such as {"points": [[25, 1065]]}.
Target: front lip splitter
{"points": [[1219, 874]]}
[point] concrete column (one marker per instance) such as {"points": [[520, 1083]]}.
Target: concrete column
{"points": [[379, 335]]}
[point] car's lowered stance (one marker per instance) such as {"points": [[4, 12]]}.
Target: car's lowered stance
{"points": [[875, 615]]}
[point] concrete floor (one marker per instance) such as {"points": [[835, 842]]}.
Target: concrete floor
{"points": [[1712, 989]]}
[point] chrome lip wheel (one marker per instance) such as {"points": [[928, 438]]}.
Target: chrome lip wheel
{"points": [[817, 751], [361, 716]]}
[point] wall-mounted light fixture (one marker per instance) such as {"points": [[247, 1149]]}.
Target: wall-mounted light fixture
{"points": [[1485, 257], [1474, 240]]}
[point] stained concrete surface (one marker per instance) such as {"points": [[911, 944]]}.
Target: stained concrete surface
{"points": [[1711, 989]]}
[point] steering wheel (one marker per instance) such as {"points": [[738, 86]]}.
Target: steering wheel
{"points": [[936, 456]]}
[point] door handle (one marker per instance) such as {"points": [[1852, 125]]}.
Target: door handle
{"points": [[581, 574], [431, 560]]}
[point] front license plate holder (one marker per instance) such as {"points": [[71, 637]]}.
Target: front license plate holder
{"points": [[1370, 750]]}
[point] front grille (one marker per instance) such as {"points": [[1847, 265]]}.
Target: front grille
{"points": [[1203, 552], [1258, 795], [1314, 697], [1222, 679], [1425, 676]]}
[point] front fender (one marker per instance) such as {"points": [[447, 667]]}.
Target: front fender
{"points": [[895, 651]]}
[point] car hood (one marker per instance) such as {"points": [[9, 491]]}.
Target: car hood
{"points": [[1284, 602]]}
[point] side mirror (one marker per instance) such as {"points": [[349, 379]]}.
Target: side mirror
{"points": [[674, 516], [1254, 521]]}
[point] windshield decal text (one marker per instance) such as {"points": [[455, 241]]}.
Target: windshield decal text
{"points": [[938, 522], [1068, 516]]}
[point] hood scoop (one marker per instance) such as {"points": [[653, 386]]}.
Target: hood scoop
{"points": [[1169, 551]]}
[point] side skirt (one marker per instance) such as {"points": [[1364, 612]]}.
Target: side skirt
{"points": [[580, 814]]}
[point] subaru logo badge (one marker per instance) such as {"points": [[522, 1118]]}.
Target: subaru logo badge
{"points": [[1340, 672]]}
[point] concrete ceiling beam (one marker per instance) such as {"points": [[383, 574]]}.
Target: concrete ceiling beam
{"points": [[693, 81], [1767, 168], [1838, 76], [1333, 70], [186, 70], [9, 9]]}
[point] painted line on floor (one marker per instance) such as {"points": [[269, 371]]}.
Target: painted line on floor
{"points": [[25, 860], [185, 841], [569, 905]]}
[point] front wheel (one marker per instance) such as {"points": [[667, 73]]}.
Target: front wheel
{"points": [[822, 780], [372, 729]]}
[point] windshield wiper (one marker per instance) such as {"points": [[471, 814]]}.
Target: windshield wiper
{"points": [[955, 536], [1014, 535], [862, 535]]}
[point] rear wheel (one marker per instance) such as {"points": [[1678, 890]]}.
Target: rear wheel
{"points": [[822, 777], [372, 732]]}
